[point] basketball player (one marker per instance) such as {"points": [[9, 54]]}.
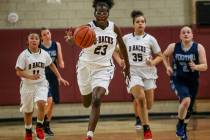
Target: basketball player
{"points": [[136, 105], [141, 48], [188, 59], [54, 50], [30, 67], [95, 67]]}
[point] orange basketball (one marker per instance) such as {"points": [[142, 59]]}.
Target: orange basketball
{"points": [[84, 36]]}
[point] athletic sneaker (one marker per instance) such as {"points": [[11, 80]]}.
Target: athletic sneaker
{"points": [[138, 124], [47, 130], [148, 135], [88, 138], [28, 135], [40, 133], [185, 132], [180, 130], [184, 138]]}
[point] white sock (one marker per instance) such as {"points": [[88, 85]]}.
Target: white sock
{"points": [[186, 120], [90, 133], [39, 121], [28, 126]]}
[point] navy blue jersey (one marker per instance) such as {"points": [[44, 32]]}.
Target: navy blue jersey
{"points": [[52, 50], [181, 59]]}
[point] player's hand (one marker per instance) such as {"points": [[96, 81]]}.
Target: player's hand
{"points": [[149, 61], [126, 74], [169, 71], [192, 65], [69, 35], [64, 82], [35, 77]]}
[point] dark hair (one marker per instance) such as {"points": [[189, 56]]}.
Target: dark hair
{"points": [[108, 3], [137, 13], [44, 28]]}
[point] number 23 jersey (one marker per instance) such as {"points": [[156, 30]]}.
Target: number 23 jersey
{"points": [[101, 51]]}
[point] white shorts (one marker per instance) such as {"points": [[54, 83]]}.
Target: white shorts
{"points": [[147, 84], [90, 76], [31, 93]]}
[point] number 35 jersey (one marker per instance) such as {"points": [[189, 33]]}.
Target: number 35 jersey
{"points": [[141, 48], [101, 51]]}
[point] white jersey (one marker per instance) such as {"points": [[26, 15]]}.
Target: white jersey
{"points": [[33, 63], [101, 52], [141, 48]]}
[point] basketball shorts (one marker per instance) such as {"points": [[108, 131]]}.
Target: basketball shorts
{"points": [[31, 93], [53, 87], [147, 84], [184, 89], [90, 76]]}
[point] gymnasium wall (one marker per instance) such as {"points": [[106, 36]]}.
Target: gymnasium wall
{"points": [[14, 41], [38, 13]]}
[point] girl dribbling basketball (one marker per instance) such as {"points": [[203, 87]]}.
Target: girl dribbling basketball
{"points": [[95, 67]]}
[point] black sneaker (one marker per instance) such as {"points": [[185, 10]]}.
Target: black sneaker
{"points": [[138, 124], [47, 129]]}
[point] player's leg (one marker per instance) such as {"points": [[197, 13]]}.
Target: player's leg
{"points": [[182, 91], [193, 87], [101, 78], [98, 93], [86, 100], [84, 82], [149, 87], [139, 95], [53, 97], [137, 111], [149, 94], [40, 100], [48, 117], [26, 96]]}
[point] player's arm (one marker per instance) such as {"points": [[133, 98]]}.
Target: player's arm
{"points": [[166, 58], [22, 73], [158, 58], [202, 66], [56, 72], [60, 55], [69, 36], [123, 51], [156, 51], [117, 58]]}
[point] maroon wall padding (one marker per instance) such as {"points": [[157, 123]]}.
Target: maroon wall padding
{"points": [[14, 41]]}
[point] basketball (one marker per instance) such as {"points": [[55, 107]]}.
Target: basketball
{"points": [[84, 36]]}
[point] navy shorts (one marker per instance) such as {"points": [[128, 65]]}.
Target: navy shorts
{"points": [[53, 87], [184, 89]]}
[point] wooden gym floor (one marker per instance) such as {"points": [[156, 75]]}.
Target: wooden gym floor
{"points": [[123, 129]]}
